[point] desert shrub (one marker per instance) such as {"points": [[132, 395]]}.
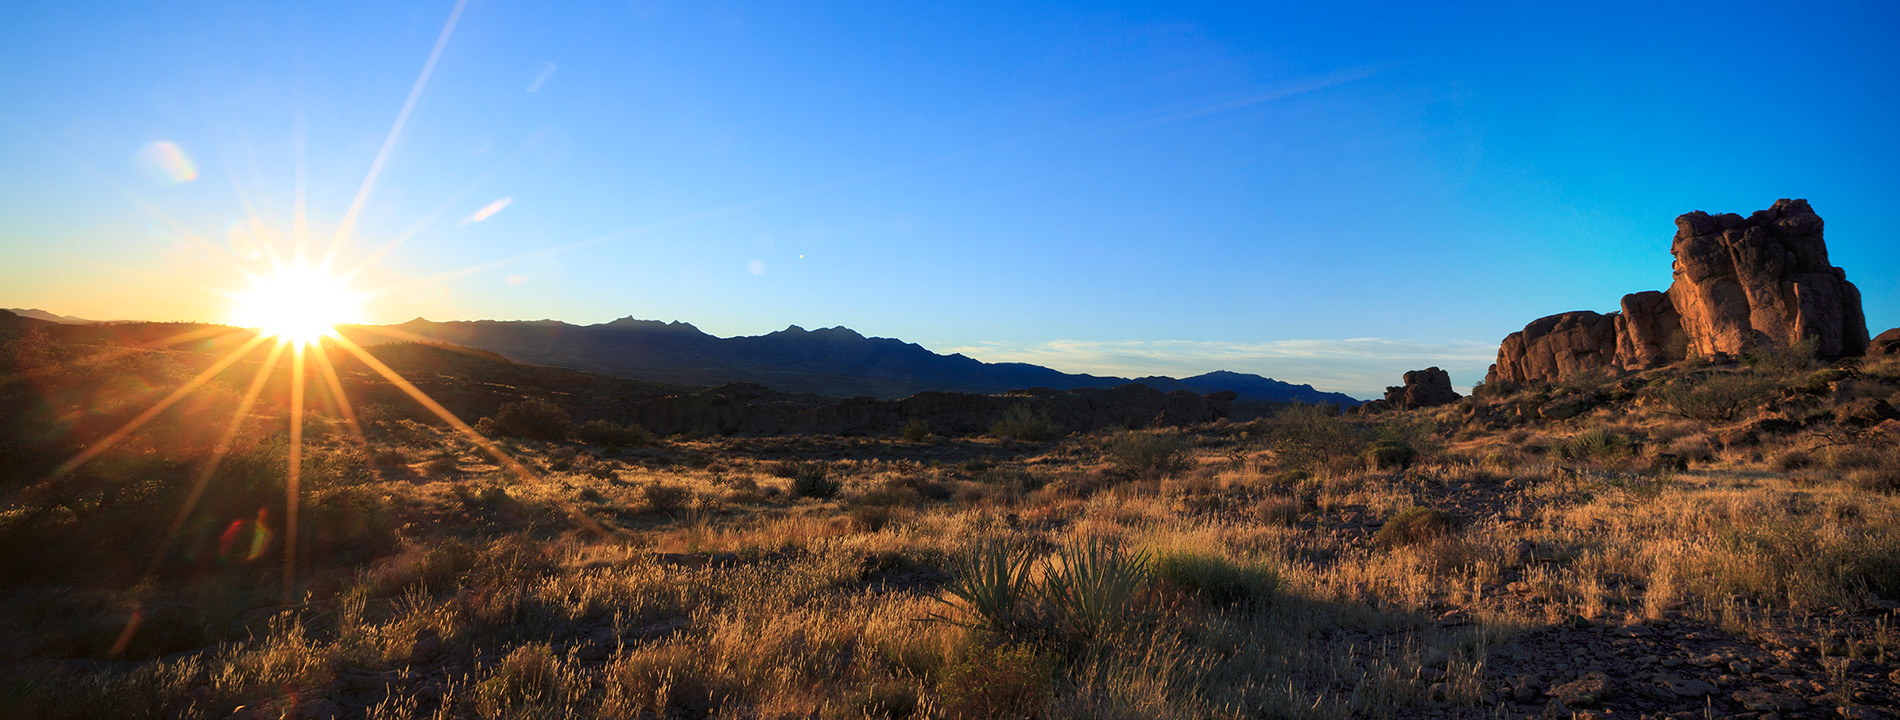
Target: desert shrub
{"points": [[1820, 381], [1852, 457], [534, 419], [1278, 510], [992, 582], [916, 430], [1798, 562], [996, 681], [1718, 397], [1149, 455], [1416, 525], [443, 463], [1793, 460], [872, 518], [602, 432], [813, 480], [665, 498], [530, 676], [1594, 444], [665, 680], [1307, 437], [1091, 587], [1389, 454], [1218, 579], [1025, 422], [1880, 478]]}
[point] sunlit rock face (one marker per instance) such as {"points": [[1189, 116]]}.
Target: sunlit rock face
{"points": [[1738, 282]]}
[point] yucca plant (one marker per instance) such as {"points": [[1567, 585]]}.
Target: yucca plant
{"points": [[992, 582], [1092, 585]]}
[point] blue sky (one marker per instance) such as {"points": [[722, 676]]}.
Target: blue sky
{"points": [[1318, 195]]}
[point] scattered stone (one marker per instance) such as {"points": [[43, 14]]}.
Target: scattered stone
{"points": [[1761, 700], [1865, 412], [1688, 687], [427, 645], [1583, 691]]}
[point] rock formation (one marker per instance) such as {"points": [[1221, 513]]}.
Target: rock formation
{"points": [[1738, 282]]}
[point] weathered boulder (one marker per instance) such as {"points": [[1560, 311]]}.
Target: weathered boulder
{"points": [[1887, 343], [1738, 282], [1556, 347], [1422, 388]]}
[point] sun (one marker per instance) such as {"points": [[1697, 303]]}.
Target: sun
{"points": [[296, 304]]}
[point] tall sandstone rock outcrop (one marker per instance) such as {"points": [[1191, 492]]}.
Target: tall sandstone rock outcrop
{"points": [[1737, 282]]}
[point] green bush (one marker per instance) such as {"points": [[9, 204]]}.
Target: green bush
{"points": [[916, 430], [1217, 579], [1149, 455], [813, 480], [534, 419], [1776, 358], [1416, 525], [666, 498], [602, 432], [1024, 422]]}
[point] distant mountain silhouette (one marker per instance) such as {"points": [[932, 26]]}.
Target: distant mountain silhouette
{"points": [[833, 361], [39, 314]]}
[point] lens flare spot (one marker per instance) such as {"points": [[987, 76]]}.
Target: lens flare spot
{"points": [[246, 237], [755, 267], [516, 279], [296, 304], [166, 163]]}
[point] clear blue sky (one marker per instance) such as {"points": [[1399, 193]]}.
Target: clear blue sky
{"points": [[1318, 195]]}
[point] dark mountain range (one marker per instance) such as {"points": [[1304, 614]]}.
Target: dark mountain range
{"points": [[829, 361], [39, 314]]}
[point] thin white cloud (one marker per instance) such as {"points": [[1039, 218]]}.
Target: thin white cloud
{"points": [[488, 211], [547, 71], [1361, 367]]}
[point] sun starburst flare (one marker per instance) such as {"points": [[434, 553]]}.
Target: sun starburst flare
{"points": [[296, 304]]}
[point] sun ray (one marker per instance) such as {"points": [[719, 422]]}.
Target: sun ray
{"points": [[430, 218], [294, 475], [343, 406], [162, 405], [389, 142], [115, 352], [513, 466], [223, 447]]}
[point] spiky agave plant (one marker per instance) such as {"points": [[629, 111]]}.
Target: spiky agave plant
{"points": [[993, 583], [1092, 586]]}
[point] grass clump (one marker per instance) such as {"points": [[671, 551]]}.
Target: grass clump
{"points": [[813, 480], [1217, 579], [666, 498], [1027, 423], [997, 681], [1417, 525], [602, 432], [1390, 455]]}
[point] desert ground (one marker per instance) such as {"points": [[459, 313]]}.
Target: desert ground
{"points": [[1700, 540]]}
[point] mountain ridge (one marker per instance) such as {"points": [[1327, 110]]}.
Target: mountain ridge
{"points": [[835, 361]]}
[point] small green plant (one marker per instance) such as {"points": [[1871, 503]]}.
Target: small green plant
{"points": [[1149, 455], [1217, 579], [1024, 422], [916, 430], [1091, 587], [1594, 444], [1417, 525]]}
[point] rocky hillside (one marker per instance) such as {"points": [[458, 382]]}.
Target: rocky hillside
{"points": [[1738, 283]]}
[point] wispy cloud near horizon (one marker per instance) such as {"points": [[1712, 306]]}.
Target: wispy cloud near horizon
{"points": [[1361, 367]]}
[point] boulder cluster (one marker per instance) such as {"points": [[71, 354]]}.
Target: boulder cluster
{"points": [[1738, 283], [1423, 388]]}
